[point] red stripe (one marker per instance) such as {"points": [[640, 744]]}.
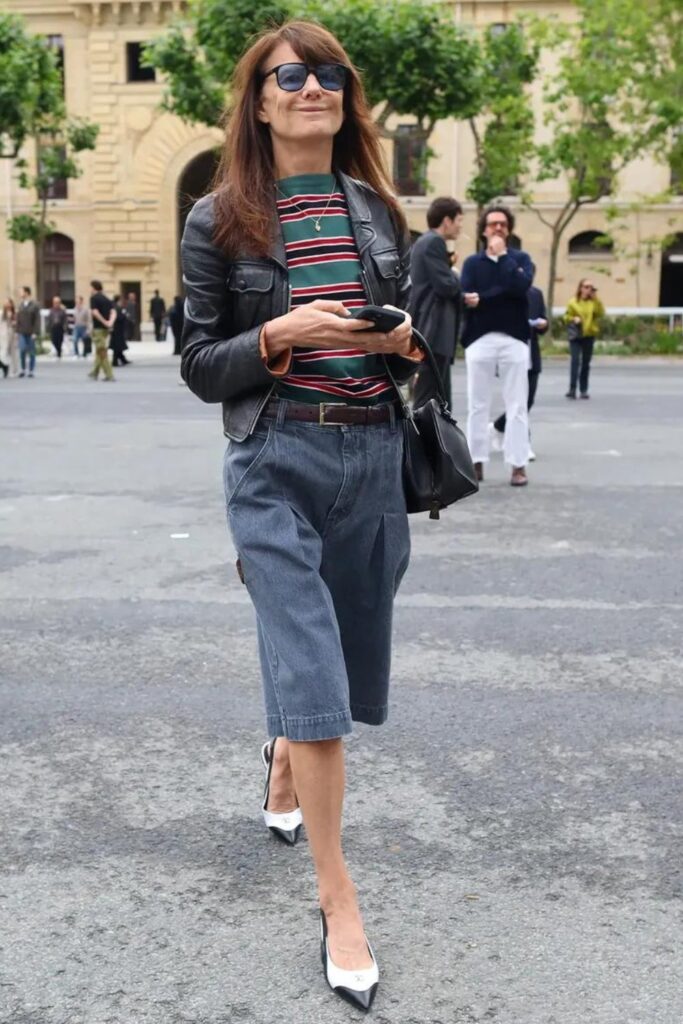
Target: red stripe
{"points": [[315, 197], [333, 257], [318, 289], [323, 211], [337, 240]]}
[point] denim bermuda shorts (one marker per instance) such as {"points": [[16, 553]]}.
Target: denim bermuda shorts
{"points": [[318, 517]]}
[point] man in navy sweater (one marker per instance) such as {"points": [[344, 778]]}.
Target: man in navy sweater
{"points": [[495, 283]]}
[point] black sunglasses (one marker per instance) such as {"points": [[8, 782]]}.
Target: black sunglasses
{"points": [[292, 77]]}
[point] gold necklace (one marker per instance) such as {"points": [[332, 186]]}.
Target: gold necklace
{"points": [[316, 220]]}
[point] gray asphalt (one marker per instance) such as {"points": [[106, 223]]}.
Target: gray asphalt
{"points": [[514, 830]]}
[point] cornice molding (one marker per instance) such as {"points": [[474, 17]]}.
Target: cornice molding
{"points": [[115, 12]]}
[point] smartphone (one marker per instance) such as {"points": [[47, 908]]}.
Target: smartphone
{"points": [[383, 319]]}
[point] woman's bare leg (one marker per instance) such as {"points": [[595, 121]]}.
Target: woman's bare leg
{"points": [[318, 771], [281, 794]]}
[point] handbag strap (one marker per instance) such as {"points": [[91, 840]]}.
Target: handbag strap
{"points": [[424, 346]]}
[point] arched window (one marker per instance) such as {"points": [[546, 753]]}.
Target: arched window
{"points": [[591, 245], [58, 275]]}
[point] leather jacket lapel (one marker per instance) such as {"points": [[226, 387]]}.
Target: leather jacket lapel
{"points": [[359, 213]]}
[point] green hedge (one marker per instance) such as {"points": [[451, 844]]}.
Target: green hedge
{"points": [[624, 335]]}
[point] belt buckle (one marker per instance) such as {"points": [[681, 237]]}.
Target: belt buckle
{"points": [[321, 413]]}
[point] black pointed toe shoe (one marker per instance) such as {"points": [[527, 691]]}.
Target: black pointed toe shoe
{"points": [[285, 827], [356, 987]]}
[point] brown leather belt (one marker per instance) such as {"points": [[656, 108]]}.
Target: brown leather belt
{"points": [[334, 413]]}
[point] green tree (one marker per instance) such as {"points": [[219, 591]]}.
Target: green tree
{"points": [[614, 93], [32, 109], [503, 128], [415, 61]]}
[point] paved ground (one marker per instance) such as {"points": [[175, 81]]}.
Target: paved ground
{"points": [[514, 830]]}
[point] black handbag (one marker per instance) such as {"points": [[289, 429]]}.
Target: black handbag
{"points": [[437, 465], [574, 331]]}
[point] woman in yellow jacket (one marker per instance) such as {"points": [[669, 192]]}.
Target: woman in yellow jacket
{"points": [[583, 316]]}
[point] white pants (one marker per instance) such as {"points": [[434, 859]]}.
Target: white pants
{"points": [[511, 357]]}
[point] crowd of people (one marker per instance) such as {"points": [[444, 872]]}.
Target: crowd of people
{"points": [[498, 315], [102, 325]]}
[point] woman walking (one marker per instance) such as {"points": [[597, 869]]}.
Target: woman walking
{"points": [[57, 320], [117, 338], [9, 350], [583, 316], [302, 228]]}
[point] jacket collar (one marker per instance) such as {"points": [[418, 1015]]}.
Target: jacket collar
{"points": [[359, 215]]}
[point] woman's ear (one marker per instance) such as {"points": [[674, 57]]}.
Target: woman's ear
{"points": [[261, 114]]}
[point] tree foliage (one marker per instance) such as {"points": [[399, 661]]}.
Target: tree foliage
{"points": [[30, 85], [614, 93], [32, 109], [503, 129], [415, 61]]}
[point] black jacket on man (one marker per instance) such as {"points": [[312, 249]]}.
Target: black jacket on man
{"points": [[537, 311], [435, 309], [229, 298], [502, 286]]}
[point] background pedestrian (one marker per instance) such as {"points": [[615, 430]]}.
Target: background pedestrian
{"points": [[132, 310], [157, 311], [28, 325], [538, 324], [103, 316], [8, 339], [82, 324], [117, 338], [495, 283], [436, 295], [583, 316], [56, 324]]}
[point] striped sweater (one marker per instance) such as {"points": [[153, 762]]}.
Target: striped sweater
{"points": [[325, 265]]}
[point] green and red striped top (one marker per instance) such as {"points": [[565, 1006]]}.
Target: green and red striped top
{"points": [[325, 265]]}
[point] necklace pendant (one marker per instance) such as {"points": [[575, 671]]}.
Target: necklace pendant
{"points": [[317, 225]]}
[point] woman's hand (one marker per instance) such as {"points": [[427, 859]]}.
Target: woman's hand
{"points": [[329, 325]]}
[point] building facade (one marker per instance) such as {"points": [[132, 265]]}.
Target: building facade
{"points": [[121, 221]]}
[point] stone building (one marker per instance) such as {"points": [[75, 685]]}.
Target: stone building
{"points": [[122, 220]]}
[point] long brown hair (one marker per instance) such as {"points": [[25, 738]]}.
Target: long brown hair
{"points": [[580, 286], [244, 201]]}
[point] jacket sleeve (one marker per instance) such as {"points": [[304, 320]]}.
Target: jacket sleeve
{"points": [[541, 312], [215, 364], [571, 312], [36, 319], [441, 277], [467, 281], [516, 275]]}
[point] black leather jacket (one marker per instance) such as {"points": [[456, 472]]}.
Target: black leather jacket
{"points": [[227, 301]]}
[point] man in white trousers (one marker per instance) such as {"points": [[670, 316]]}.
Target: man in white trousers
{"points": [[495, 283]]}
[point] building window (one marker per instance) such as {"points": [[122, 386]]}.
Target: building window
{"points": [[135, 69], [409, 161], [58, 274], [58, 188], [56, 44], [498, 28], [591, 245]]}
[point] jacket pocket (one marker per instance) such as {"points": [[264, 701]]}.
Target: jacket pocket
{"points": [[387, 267], [250, 285]]}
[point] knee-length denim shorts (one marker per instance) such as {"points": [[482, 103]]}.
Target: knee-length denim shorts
{"points": [[318, 517]]}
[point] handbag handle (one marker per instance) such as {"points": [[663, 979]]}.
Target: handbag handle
{"points": [[422, 344]]}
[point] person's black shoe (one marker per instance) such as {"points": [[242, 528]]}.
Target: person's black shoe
{"points": [[570, 394], [585, 394], [5, 369]]}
